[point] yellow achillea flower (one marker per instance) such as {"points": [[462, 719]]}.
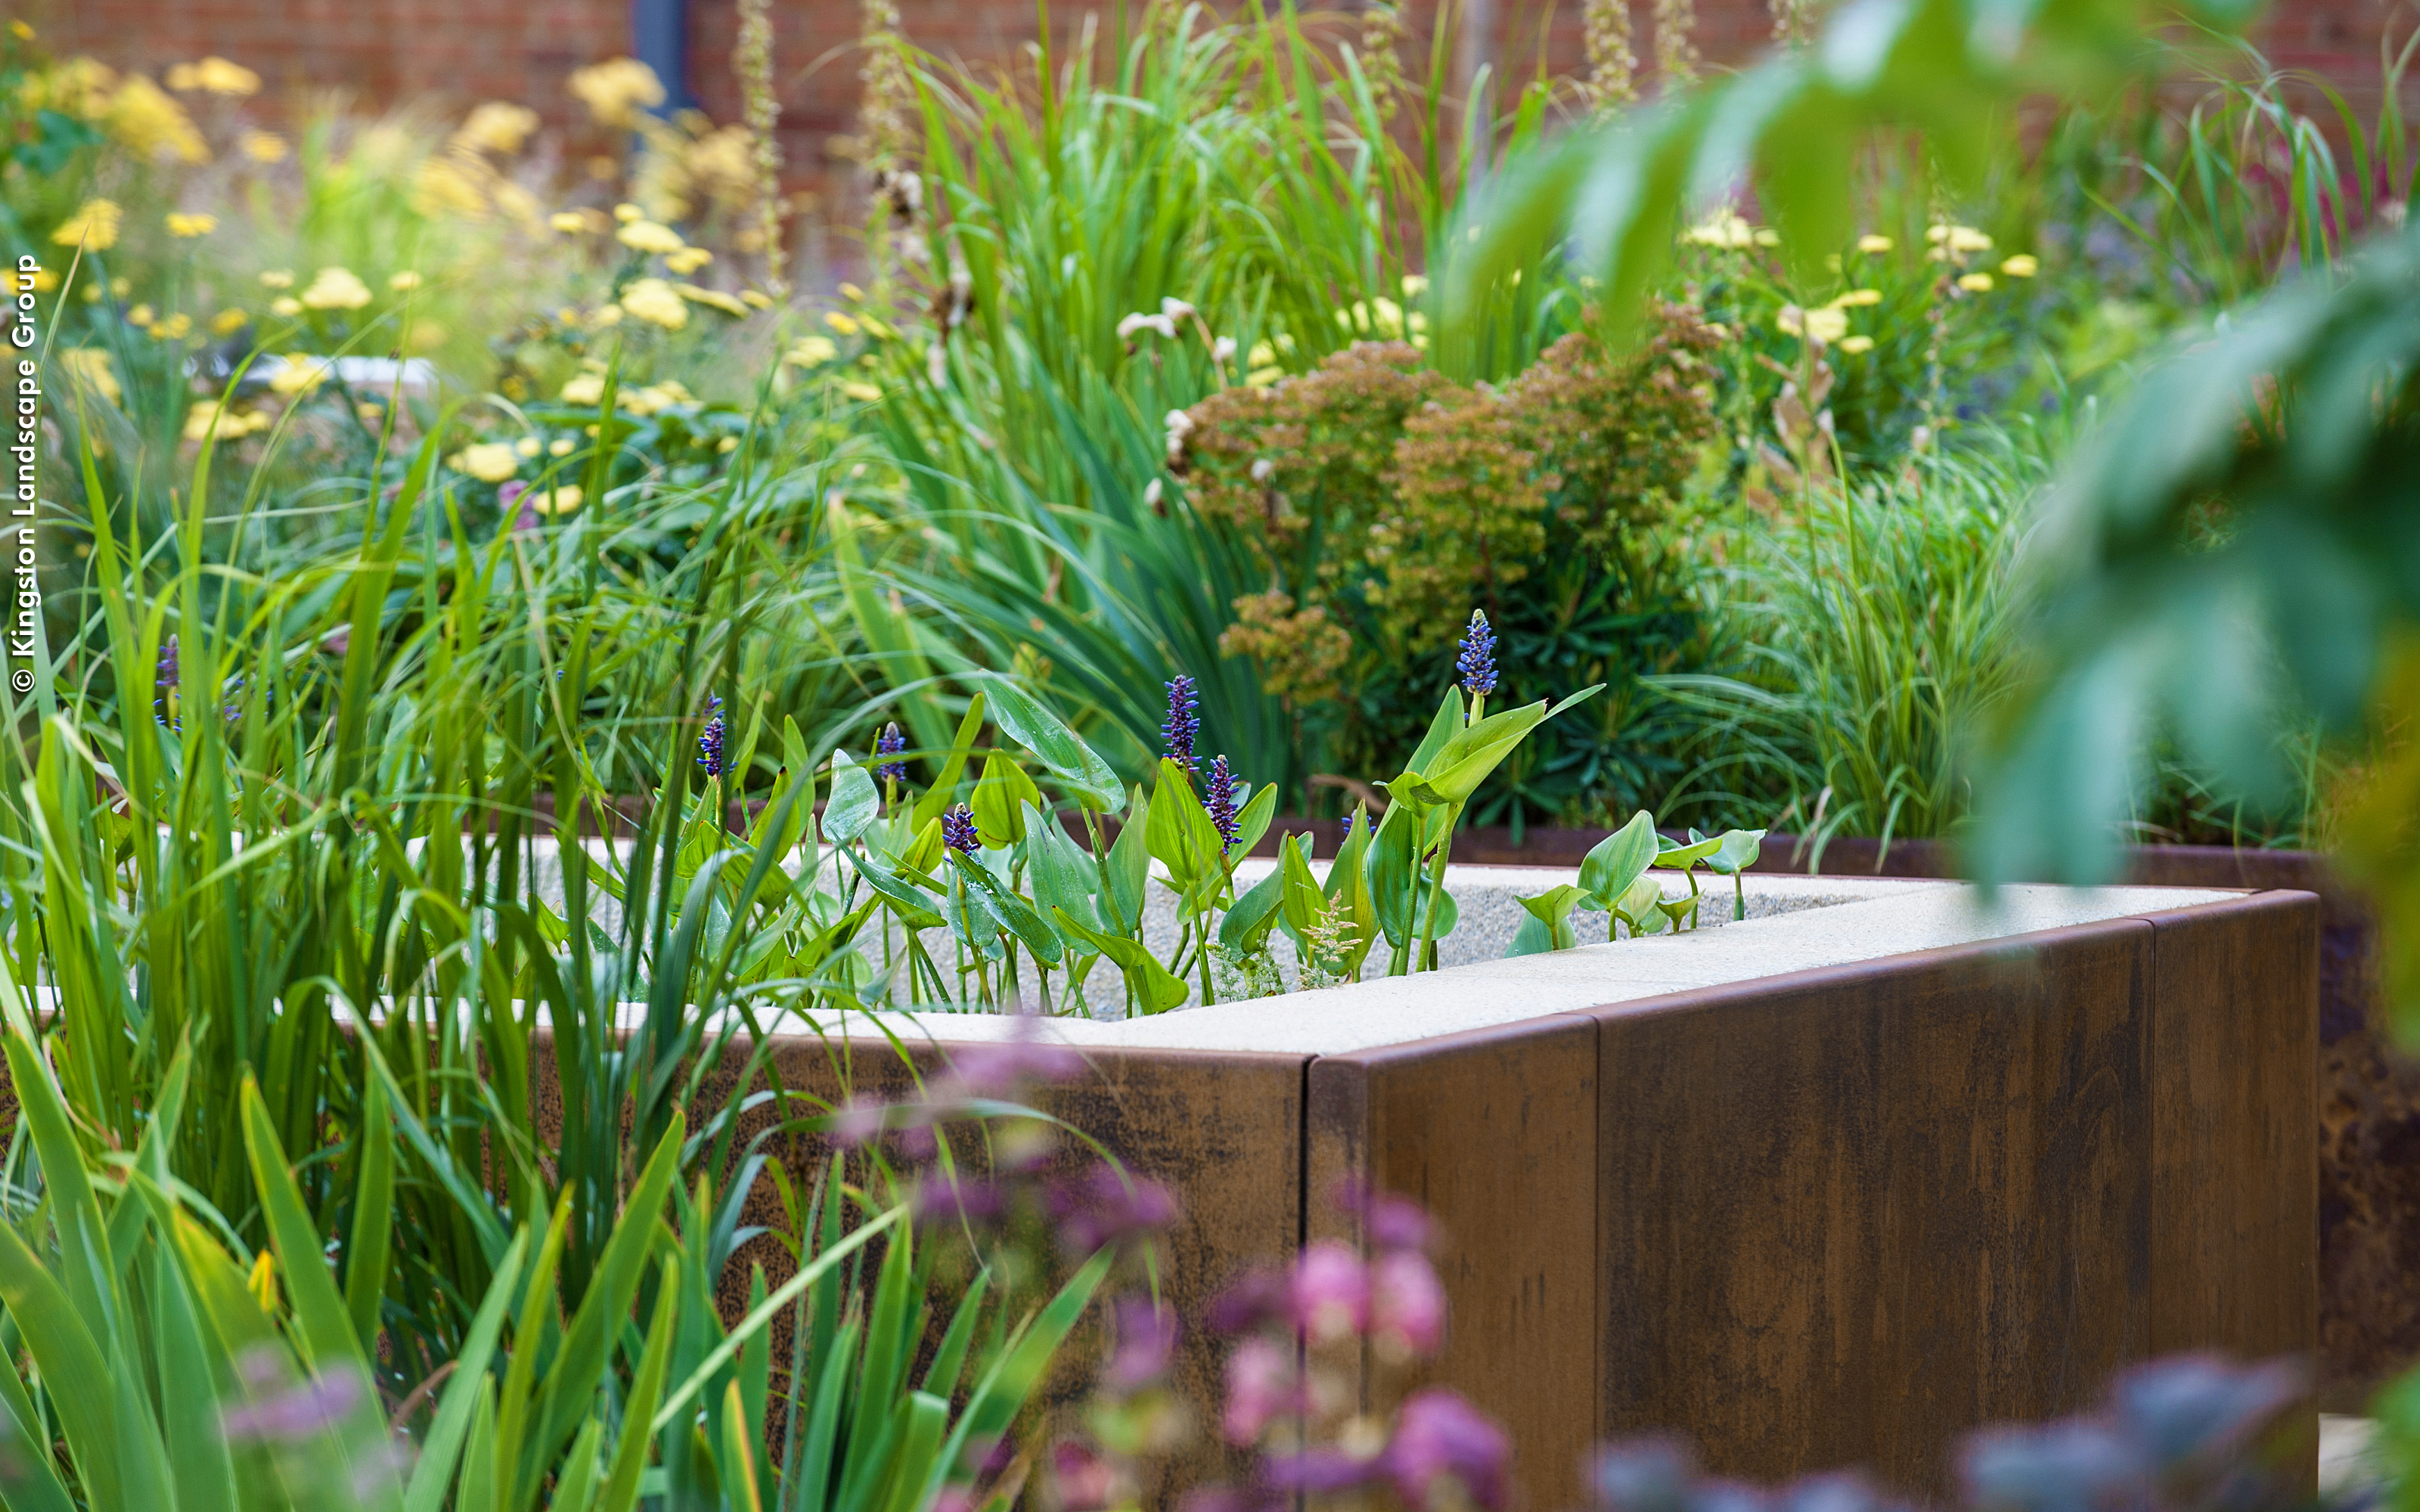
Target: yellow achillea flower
{"points": [[528, 446], [1819, 325], [90, 366], [263, 147], [487, 461], [2021, 265], [444, 186], [840, 322], [192, 225], [567, 221], [142, 116], [562, 499], [231, 423], [656, 302], [1857, 298], [1958, 238], [300, 374], [1857, 346], [285, 306], [1726, 229], [588, 388], [811, 351], [93, 227], [216, 76], [728, 304], [1873, 243], [228, 323], [403, 282], [756, 299], [688, 260], [1976, 283], [276, 278], [499, 127], [335, 288], [649, 235], [616, 90], [862, 393], [176, 328]]}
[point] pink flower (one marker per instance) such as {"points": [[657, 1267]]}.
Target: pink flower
{"points": [[1439, 1435], [1087, 1481], [1392, 1222], [1260, 1386], [1146, 1338], [1331, 1291], [1260, 1296], [1406, 1302]]}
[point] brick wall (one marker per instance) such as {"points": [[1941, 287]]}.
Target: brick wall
{"points": [[454, 53]]}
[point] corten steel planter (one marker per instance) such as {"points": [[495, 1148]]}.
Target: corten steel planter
{"points": [[1820, 1189], [2368, 1122]]}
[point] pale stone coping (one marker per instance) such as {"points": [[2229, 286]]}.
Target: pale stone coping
{"points": [[1372, 1015]]}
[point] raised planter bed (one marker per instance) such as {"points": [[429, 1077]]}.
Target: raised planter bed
{"points": [[2369, 1112], [1821, 1188]]}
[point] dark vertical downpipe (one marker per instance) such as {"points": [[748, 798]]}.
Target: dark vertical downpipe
{"points": [[659, 40]]}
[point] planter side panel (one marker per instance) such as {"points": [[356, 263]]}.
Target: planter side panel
{"points": [[2235, 1092], [1223, 1132], [1849, 1215], [1496, 1132]]}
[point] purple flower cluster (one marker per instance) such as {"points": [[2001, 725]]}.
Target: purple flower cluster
{"points": [[959, 830], [1184, 726], [710, 745], [1383, 1294], [165, 680], [1219, 798], [290, 1413], [2191, 1433], [1476, 665], [891, 743]]}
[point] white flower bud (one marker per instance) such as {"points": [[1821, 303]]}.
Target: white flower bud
{"points": [[1264, 469], [1223, 349], [1175, 309]]}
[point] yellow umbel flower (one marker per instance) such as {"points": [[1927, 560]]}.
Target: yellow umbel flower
{"points": [[811, 351], [487, 461], [300, 374], [562, 499], [499, 127], [650, 235], [2021, 265], [192, 225], [90, 366], [263, 147], [728, 304], [215, 76], [656, 302], [1870, 242], [617, 90], [688, 260], [149, 123], [93, 227], [335, 288]]}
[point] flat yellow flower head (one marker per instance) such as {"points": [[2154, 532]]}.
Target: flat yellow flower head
{"points": [[811, 351], [571, 223], [2021, 265], [93, 227], [489, 461], [649, 235], [335, 288], [403, 282], [1857, 346], [845, 325], [263, 147], [1872, 243], [1976, 283], [688, 260], [562, 499], [656, 302], [277, 278], [285, 306], [299, 375], [192, 225]]}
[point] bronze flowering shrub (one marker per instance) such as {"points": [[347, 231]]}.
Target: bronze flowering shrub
{"points": [[1382, 498]]}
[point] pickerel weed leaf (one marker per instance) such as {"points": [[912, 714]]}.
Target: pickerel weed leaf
{"points": [[1549, 925], [1617, 861], [1000, 799], [851, 808], [1015, 912], [1030, 723], [1153, 986]]}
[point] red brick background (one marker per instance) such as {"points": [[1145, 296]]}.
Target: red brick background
{"points": [[453, 54]]}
